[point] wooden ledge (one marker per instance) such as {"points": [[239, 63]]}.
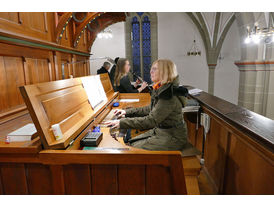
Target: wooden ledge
{"points": [[191, 166]]}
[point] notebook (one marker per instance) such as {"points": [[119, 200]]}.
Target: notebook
{"points": [[22, 134]]}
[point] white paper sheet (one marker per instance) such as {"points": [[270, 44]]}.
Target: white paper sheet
{"points": [[100, 88], [129, 100], [94, 89], [194, 91]]}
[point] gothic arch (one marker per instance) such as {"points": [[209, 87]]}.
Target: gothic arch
{"points": [[213, 40], [104, 21], [95, 20]]}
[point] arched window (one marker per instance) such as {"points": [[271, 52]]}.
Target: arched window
{"points": [[136, 45], [141, 48]]}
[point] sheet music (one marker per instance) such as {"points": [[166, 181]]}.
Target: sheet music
{"points": [[94, 89], [195, 91], [100, 88]]}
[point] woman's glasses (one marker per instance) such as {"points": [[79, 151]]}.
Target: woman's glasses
{"points": [[153, 69]]}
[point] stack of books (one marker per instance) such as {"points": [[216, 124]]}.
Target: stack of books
{"points": [[190, 109], [25, 133], [195, 91]]}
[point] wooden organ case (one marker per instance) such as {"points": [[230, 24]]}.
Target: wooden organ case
{"points": [[49, 166]]}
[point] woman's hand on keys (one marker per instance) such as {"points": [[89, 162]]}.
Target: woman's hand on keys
{"points": [[119, 113], [113, 124]]}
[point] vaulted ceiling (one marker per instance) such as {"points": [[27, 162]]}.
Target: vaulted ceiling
{"points": [[94, 22]]}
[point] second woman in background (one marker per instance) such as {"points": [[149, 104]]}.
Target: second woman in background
{"points": [[121, 79]]}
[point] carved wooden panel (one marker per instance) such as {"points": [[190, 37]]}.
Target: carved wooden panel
{"points": [[80, 67], [14, 179], [216, 151], [195, 136], [28, 65], [37, 70], [39, 179], [10, 16], [131, 179], [63, 65], [36, 21], [57, 179], [1, 185], [103, 175], [31, 24], [11, 77], [19, 66], [66, 71], [107, 83], [66, 64], [248, 170], [59, 105], [158, 181], [77, 179]]}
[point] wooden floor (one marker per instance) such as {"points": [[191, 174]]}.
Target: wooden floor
{"points": [[205, 186]]}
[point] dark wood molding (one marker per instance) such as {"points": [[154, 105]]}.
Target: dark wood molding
{"points": [[15, 39], [13, 113], [239, 63]]}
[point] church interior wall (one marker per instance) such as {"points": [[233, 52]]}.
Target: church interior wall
{"points": [[193, 70], [112, 48]]}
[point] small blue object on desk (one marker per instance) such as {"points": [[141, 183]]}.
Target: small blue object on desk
{"points": [[116, 104], [96, 129]]}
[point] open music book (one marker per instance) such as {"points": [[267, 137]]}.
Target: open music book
{"points": [[94, 89]]}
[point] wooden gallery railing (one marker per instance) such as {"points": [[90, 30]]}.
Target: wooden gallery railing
{"points": [[238, 149]]}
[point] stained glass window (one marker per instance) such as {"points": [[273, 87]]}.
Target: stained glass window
{"points": [[141, 45], [136, 46], [146, 48], [140, 13]]}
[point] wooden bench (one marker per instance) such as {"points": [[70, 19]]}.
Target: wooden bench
{"points": [[192, 168]]}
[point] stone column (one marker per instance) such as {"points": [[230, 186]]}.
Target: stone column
{"points": [[254, 87], [154, 36], [269, 105], [211, 76]]}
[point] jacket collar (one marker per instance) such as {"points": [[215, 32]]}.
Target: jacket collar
{"points": [[166, 87]]}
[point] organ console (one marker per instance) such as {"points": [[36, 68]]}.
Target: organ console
{"points": [[49, 166], [238, 148]]}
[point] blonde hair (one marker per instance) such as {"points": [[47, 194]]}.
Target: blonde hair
{"points": [[119, 71], [167, 70]]}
